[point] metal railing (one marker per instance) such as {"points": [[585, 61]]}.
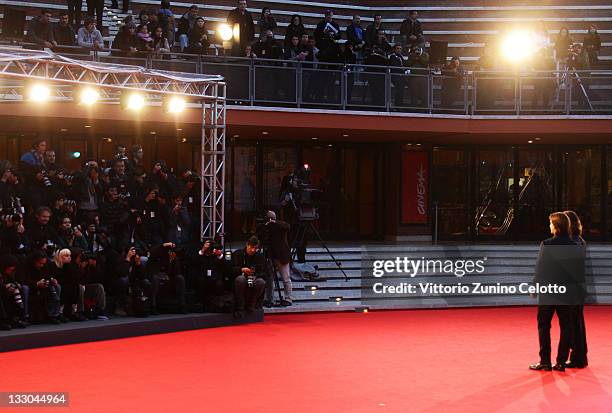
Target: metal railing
{"points": [[336, 86]]}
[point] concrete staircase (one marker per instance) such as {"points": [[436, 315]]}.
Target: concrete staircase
{"points": [[504, 264]]}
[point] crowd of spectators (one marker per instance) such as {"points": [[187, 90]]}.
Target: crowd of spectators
{"points": [[111, 239]]}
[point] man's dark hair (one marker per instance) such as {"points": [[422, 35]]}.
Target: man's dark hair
{"points": [[253, 241], [378, 15], [35, 256], [38, 142], [411, 12], [193, 6], [136, 148], [45, 11], [89, 21], [63, 13], [42, 209]]}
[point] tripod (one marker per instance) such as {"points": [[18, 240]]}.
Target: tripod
{"points": [[269, 265], [300, 234], [565, 81]]}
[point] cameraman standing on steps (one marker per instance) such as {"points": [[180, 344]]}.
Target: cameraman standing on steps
{"points": [[280, 252]]}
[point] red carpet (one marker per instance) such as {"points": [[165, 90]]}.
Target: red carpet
{"points": [[472, 360]]}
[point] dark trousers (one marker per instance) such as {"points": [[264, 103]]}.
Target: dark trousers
{"points": [[399, 85], [578, 355], [172, 286], [545, 315], [74, 13], [249, 298], [96, 7]]}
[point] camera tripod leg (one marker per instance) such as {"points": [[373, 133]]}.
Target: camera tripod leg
{"points": [[276, 281], [338, 263]]}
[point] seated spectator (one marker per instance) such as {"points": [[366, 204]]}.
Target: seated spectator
{"points": [[185, 24], [69, 236], [63, 33], [418, 62], [249, 282], [381, 43], [88, 191], [398, 76], [198, 37], [295, 28], [40, 30], [92, 298], [592, 44], [146, 41], [412, 30], [46, 290], [371, 34], [563, 43], [127, 41], [356, 34], [293, 52], [89, 36], [267, 47], [267, 21], [13, 295], [166, 276], [65, 273], [160, 42], [451, 85]]}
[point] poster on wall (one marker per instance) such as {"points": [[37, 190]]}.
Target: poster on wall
{"points": [[415, 185]]}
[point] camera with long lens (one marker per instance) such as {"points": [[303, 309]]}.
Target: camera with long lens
{"points": [[250, 278], [45, 179], [16, 294]]}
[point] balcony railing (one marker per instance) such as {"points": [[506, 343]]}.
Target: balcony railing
{"points": [[333, 86]]}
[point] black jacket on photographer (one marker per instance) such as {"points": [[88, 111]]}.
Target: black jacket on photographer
{"points": [[277, 243], [41, 235], [240, 259], [211, 262]]}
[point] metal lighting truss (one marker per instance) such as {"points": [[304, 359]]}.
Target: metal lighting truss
{"points": [[110, 80]]}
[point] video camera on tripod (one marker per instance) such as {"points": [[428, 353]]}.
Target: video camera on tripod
{"points": [[300, 195]]}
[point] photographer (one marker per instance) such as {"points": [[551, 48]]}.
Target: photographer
{"points": [[88, 191], [13, 239], [92, 299], [212, 279], [152, 217], [278, 248], [249, 284], [451, 85], [13, 295], [114, 211], [46, 290], [64, 271], [41, 233], [578, 62], [166, 276], [69, 236], [131, 280], [327, 32]]}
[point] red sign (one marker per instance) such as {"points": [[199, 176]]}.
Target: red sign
{"points": [[415, 187]]}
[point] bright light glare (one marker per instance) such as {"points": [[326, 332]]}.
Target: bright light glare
{"points": [[135, 101], [39, 93], [226, 32], [76, 155], [517, 46], [176, 105], [89, 96]]}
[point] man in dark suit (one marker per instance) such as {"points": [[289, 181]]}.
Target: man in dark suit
{"points": [[241, 16], [557, 264]]}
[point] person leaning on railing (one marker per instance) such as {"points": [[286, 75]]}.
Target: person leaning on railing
{"points": [[198, 37], [126, 42], [90, 37], [160, 42], [592, 44], [40, 30], [63, 33]]}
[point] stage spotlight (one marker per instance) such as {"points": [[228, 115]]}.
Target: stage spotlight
{"points": [[517, 46], [76, 154], [132, 101], [39, 93], [174, 104], [88, 96], [226, 32]]}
